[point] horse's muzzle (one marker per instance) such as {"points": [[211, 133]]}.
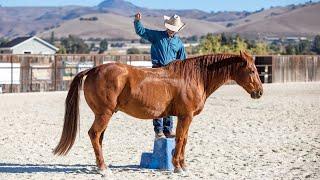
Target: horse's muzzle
{"points": [[256, 94]]}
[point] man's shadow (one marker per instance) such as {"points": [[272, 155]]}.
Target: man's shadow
{"points": [[58, 168]]}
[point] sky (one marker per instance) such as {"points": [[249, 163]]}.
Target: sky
{"points": [[205, 5]]}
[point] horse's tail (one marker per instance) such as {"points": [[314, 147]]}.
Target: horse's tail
{"points": [[71, 116]]}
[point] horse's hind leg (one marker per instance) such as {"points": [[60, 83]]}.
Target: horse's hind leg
{"points": [[96, 135]]}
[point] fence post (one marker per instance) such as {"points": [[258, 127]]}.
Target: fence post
{"points": [[306, 71], [30, 78], [55, 73], [11, 88]]}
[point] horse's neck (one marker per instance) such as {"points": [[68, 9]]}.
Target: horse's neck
{"points": [[215, 79], [214, 85]]}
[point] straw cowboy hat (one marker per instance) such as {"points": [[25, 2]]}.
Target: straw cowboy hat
{"points": [[173, 23]]}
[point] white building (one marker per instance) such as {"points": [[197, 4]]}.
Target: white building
{"points": [[28, 45]]}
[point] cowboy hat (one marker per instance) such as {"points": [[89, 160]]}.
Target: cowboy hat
{"points": [[173, 23]]}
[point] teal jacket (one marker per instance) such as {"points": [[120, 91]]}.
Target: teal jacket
{"points": [[163, 49]]}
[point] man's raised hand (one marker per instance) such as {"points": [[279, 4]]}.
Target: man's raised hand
{"points": [[138, 16]]}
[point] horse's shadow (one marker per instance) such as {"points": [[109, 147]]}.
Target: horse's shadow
{"points": [[58, 168]]}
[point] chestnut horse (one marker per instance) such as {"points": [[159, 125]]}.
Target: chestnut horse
{"points": [[178, 89]]}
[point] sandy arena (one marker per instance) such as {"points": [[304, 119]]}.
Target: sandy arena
{"points": [[235, 137]]}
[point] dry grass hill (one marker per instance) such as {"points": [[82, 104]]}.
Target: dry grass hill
{"points": [[298, 21], [114, 20], [116, 26]]}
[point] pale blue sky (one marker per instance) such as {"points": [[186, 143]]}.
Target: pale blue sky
{"points": [[206, 5]]}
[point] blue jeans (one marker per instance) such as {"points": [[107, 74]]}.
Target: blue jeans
{"points": [[163, 124]]}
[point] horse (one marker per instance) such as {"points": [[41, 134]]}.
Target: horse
{"points": [[178, 89]]}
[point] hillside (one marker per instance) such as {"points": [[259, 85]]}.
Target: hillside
{"points": [[283, 22], [111, 25], [115, 20], [19, 21]]}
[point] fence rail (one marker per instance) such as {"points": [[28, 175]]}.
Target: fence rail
{"points": [[29, 73]]}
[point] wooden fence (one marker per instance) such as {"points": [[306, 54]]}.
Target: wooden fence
{"points": [[295, 68], [29, 73]]}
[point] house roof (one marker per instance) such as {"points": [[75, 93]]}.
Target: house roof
{"points": [[15, 42], [20, 40]]}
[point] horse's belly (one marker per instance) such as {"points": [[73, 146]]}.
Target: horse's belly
{"points": [[143, 109]]}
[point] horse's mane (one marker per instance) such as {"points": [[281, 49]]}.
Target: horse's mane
{"points": [[205, 67]]}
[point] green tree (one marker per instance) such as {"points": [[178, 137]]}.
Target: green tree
{"points": [[239, 44], [103, 46], [92, 46], [226, 39], [275, 48], [251, 43], [210, 44], [3, 41], [261, 48], [133, 51], [52, 38], [290, 49], [226, 49], [74, 45], [62, 50], [304, 47], [316, 44]]}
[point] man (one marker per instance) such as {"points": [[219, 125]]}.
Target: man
{"points": [[166, 47]]}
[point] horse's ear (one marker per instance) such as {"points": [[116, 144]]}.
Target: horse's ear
{"points": [[245, 55], [242, 53]]}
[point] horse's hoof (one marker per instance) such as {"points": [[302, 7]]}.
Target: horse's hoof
{"points": [[178, 170], [104, 172], [185, 169]]}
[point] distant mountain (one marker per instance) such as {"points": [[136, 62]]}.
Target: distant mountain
{"points": [[118, 7], [21, 21], [116, 4], [125, 8], [292, 20], [114, 19]]}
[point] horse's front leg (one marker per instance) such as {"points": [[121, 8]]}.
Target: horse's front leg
{"points": [[181, 133], [182, 157]]}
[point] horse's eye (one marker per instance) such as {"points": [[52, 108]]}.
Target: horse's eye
{"points": [[251, 72]]}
